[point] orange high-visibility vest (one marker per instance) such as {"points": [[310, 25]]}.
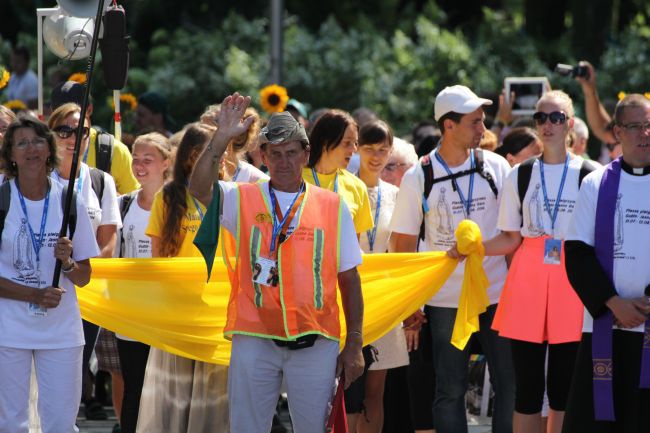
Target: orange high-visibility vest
{"points": [[304, 302]]}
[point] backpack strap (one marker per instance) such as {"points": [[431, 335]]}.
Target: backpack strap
{"points": [[479, 159], [5, 201], [72, 218], [524, 172], [427, 168], [97, 183], [127, 200], [104, 144]]}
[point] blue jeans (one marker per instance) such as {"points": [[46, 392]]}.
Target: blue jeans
{"points": [[451, 369]]}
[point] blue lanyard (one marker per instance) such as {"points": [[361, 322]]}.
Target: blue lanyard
{"points": [[234, 176], [85, 160], [198, 208], [372, 234], [317, 182], [466, 203], [36, 244], [277, 224], [547, 206]]}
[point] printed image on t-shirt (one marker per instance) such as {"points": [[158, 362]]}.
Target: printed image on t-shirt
{"points": [[24, 262], [619, 227], [444, 216], [535, 209]]}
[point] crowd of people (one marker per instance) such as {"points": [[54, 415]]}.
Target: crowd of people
{"points": [[299, 200]]}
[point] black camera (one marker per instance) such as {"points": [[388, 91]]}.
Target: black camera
{"points": [[573, 71]]}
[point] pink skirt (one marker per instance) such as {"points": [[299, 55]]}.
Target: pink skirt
{"points": [[537, 303]]}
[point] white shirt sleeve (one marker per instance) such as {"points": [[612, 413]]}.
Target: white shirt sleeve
{"points": [[110, 208], [510, 218], [350, 251], [407, 216], [229, 211]]}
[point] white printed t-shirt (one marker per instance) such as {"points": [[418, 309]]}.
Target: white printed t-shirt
{"points": [[631, 233], [446, 212], [61, 326], [108, 213], [536, 219]]}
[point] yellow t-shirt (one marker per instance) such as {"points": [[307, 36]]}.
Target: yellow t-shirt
{"points": [[125, 182], [352, 190], [189, 224]]}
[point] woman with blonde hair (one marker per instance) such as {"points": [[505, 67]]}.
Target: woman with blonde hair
{"points": [[151, 166], [538, 310]]}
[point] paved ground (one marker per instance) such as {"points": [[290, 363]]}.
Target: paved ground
{"points": [[476, 424]]}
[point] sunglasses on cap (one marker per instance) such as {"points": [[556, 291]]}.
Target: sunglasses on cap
{"points": [[64, 131], [556, 117]]}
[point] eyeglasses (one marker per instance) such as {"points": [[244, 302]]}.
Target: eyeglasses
{"points": [[636, 127], [36, 142], [556, 117], [392, 166], [64, 131]]}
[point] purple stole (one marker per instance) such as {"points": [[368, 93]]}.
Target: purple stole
{"points": [[601, 349]]}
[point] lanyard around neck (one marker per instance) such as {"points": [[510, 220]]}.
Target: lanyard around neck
{"points": [[36, 244], [466, 203], [280, 223], [372, 234], [556, 206], [198, 208], [317, 182]]}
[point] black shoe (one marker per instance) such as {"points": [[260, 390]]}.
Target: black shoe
{"points": [[277, 427], [94, 411]]}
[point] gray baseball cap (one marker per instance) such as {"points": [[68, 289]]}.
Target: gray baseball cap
{"points": [[282, 127]]}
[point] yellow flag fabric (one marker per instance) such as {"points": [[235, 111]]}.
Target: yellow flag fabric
{"points": [[167, 303]]}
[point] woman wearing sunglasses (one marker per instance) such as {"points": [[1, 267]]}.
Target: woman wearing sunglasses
{"points": [[98, 192], [38, 322], [538, 309]]}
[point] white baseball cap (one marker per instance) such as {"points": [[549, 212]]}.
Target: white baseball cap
{"points": [[457, 99]]}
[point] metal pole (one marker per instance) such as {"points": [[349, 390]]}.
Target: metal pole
{"points": [[77, 143], [40, 15], [277, 12]]}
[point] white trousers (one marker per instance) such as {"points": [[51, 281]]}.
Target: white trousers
{"points": [[257, 367], [58, 374]]}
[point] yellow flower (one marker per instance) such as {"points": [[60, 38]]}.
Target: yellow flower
{"points": [[4, 78], [79, 77], [274, 98], [15, 105], [126, 99], [621, 95]]}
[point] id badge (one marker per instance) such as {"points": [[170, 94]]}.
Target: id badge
{"points": [[552, 251], [265, 271], [36, 310]]}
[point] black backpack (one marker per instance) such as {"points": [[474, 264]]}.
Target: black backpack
{"points": [[5, 202], [525, 171], [97, 183], [127, 200], [104, 144], [429, 181]]}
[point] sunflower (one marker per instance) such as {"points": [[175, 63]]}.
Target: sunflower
{"points": [[79, 77], [127, 99], [4, 77], [15, 105], [274, 98]]}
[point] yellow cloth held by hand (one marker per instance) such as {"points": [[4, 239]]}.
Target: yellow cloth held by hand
{"points": [[473, 294], [167, 303]]}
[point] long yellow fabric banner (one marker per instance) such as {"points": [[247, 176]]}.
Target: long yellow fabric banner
{"points": [[167, 303]]}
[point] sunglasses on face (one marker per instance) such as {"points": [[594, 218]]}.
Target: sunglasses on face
{"points": [[556, 117], [64, 131]]}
